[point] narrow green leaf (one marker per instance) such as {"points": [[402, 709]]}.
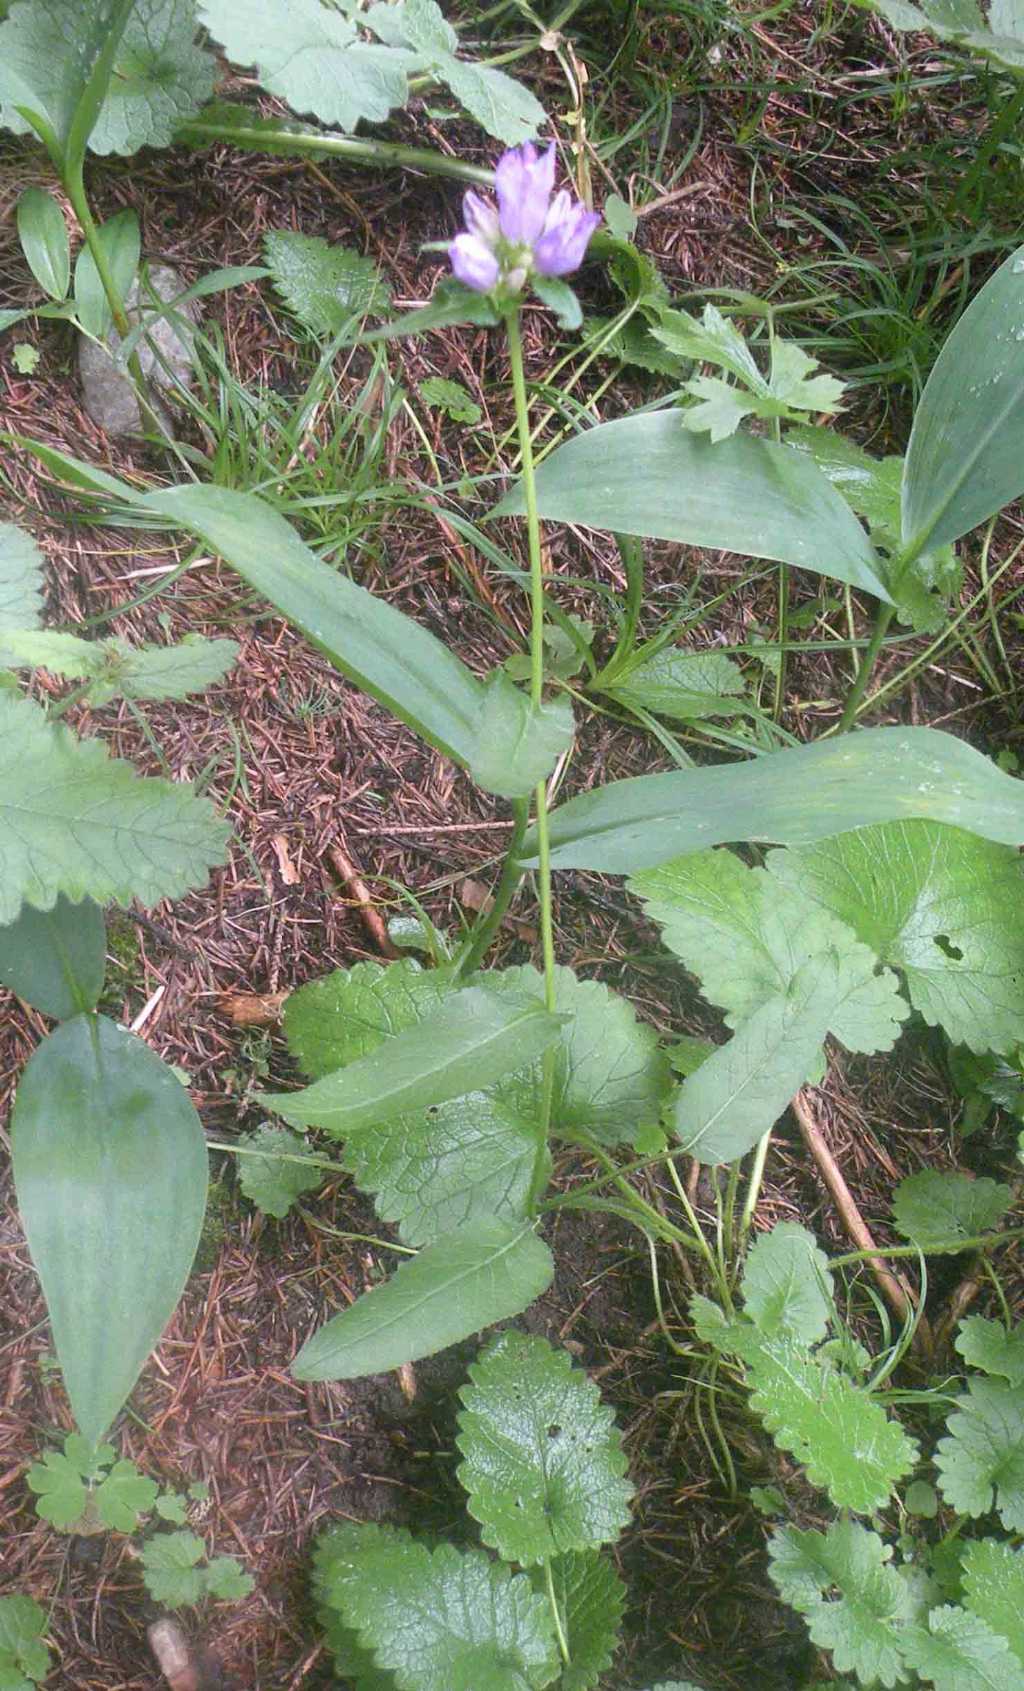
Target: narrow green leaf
{"points": [[472, 1038], [56, 959], [542, 1459], [519, 744], [966, 455], [743, 495], [788, 798], [43, 234], [121, 240], [376, 646], [482, 1273], [110, 1170]]}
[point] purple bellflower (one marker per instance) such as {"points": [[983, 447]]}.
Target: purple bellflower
{"points": [[527, 231]]}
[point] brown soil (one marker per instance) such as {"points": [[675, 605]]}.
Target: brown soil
{"points": [[305, 763]]}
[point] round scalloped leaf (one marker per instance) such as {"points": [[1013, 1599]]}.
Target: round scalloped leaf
{"points": [[981, 1461], [268, 1172], [959, 1652], [786, 1285], [542, 1459], [938, 1209], [864, 1615], [987, 1346]]}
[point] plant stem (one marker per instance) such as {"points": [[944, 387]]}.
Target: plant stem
{"points": [[547, 938], [382, 155], [883, 618], [563, 1643], [754, 1186], [484, 930]]}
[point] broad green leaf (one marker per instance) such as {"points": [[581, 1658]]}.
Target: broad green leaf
{"points": [[170, 1568], [591, 1598], [959, 1652], [376, 646], [791, 797], [121, 242], [22, 1650], [981, 1462], [21, 580], [324, 286], [965, 460], [55, 66], [542, 1459], [836, 1429], [160, 79], [43, 234], [412, 23], [439, 1168], [271, 1174], [331, 1022], [994, 1589], [332, 1557], [56, 959], [451, 398], [872, 487], [854, 1603], [224, 1577], [59, 1489], [500, 104], [518, 744], [123, 1495], [75, 821], [110, 1170], [447, 1620], [683, 685], [987, 1346], [744, 495], [311, 57], [786, 1285], [938, 904], [484, 1272], [938, 1209], [746, 937], [472, 1038]]}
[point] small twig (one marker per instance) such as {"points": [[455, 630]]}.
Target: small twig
{"points": [[353, 881], [893, 1287]]}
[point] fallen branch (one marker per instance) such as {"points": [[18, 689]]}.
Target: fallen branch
{"points": [[354, 884]]}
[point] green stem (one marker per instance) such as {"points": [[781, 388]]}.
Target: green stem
{"points": [[883, 618], [780, 679], [563, 1642], [980, 1241], [547, 934], [382, 155], [754, 1186], [484, 930]]}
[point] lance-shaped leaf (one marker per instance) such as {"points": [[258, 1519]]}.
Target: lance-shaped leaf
{"points": [[519, 743], [311, 56], [965, 460], [121, 241], [940, 905], [591, 1598], [787, 1286], [484, 1272], [43, 234], [471, 1038], [376, 646], [959, 1652], [994, 1589], [742, 495], [542, 1459], [938, 1209], [790, 797], [447, 1620], [110, 1170], [981, 1462], [75, 821], [56, 959], [854, 1603]]}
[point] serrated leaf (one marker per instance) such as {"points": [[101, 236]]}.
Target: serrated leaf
{"points": [[169, 1568], [310, 55], [686, 686], [75, 821], [713, 340], [56, 959], [542, 1459], [59, 1487], [160, 78], [936, 903], [325, 286], [937, 1210], [786, 1285], [270, 1180], [518, 743], [331, 1559], [959, 1652], [471, 1038], [994, 1589], [331, 1022], [444, 1621], [836, 1429], [162, 672], [451, 398], [55, 64], [123, 1495], [864, 1622], [484, 1272], [500, 104], [986, 1345], [981, 1462], [110, 1168], [720, 408], [224, 1577], [792, 384], [591, 1599], [22, 1629], [21, 581]]}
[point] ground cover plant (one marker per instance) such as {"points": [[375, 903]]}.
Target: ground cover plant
{"points": [[479, 1105]]}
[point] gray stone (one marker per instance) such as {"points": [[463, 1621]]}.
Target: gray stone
{"points": [[108, 394]]}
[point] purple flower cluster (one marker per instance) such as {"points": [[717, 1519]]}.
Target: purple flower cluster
{"points": [[529, 230]]}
